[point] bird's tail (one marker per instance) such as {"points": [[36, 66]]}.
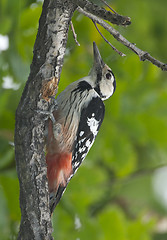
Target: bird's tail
{"points": [[55, 198]]}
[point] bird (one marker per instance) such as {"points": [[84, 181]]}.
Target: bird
{"points": [[74, 125]]}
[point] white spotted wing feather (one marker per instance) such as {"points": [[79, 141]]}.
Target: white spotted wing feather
{"points": [[90, 122]]}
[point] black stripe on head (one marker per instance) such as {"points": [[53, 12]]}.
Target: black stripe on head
{"points": [[98, 79], [97, 89]]}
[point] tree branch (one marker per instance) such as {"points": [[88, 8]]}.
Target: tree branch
{"points": [[74, 34], [94, 9], [143, 55]]}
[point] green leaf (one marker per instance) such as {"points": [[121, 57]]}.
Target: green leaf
{"points": [[113, 224], [10, 188]]}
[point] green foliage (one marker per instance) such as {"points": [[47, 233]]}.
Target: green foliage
{"points": [[113, 194]]}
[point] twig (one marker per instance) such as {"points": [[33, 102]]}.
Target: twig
{"points": [[109, 6], [74, 34], [116, 50], [143, 55]]}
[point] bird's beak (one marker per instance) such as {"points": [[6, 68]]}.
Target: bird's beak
{"points": [[98, 62]]}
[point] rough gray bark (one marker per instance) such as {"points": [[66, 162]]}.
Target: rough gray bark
{"points": [[47, 62]]}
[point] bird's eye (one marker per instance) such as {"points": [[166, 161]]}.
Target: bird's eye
{"points": [[108, 76]]}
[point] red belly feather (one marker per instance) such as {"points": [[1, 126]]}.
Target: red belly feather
{"points": [[59, 169]]}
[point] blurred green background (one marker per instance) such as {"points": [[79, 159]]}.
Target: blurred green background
{"points": [[120, 191]]}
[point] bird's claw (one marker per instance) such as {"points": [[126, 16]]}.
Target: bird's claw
{"points": [[49, 113]]}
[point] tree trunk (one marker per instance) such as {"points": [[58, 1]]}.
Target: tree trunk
{"points": [[49, 50]]}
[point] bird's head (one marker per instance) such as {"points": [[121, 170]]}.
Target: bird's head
{"points": [[102, 77]]}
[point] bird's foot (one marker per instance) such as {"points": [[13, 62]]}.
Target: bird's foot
{"points": [[49, 114]]}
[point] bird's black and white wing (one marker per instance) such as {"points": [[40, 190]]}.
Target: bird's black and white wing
{"points": [[90, 122]]}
